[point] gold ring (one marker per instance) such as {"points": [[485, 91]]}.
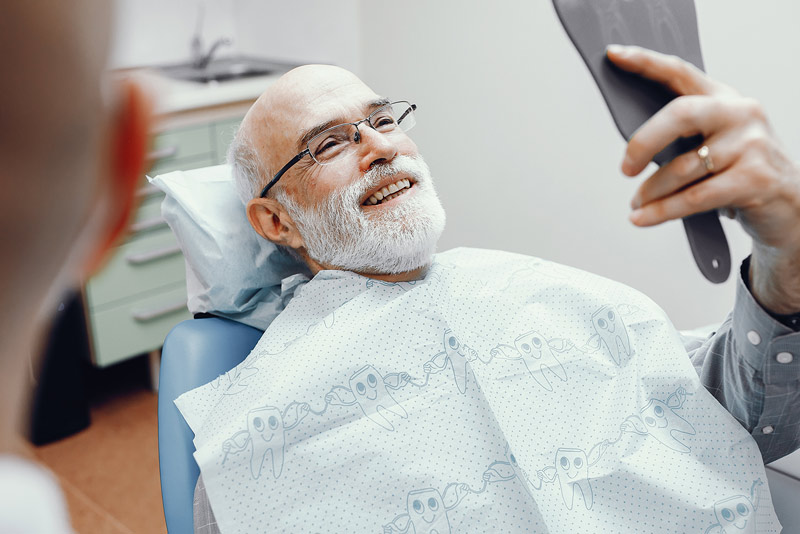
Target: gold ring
{"points": [[705, 156]]}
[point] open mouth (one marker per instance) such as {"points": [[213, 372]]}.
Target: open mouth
{"points": [[389, 192]]}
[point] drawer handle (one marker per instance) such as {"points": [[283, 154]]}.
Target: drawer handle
{"points": [[162, 153], [153, 255], [148, 190], [149, 315], [148, 224]]}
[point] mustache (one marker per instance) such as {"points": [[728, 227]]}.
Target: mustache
{"points": [[413, 166]]}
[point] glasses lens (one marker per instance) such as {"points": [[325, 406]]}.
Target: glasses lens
{"points": [[404, 115], [394, 116], [332, 143], [340, 140]]}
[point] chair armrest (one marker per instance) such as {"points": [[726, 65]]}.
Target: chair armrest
{"points": [[195, 352]]}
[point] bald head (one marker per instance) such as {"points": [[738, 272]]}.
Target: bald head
{"points": [[300, 100]]}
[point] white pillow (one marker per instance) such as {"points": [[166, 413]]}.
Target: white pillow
{"points": [[231, 271]]}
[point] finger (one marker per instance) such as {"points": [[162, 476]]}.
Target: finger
{"points": [[683, 117], [717, 192], [684, 171], [672, 71]]}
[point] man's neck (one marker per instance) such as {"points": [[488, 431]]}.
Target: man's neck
{"points": [[408, 276], [416, 274]]}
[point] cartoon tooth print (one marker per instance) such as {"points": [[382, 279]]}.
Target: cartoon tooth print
{"points": [[666, 426], [537, 353], [265, 426], [737, 514], [426, 512], [538, 358], [613, 334], [572, 467], [265, 434], [373, 398], [459, 356]]}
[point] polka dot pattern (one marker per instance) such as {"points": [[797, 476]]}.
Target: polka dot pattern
{"points": [[501, 394]]}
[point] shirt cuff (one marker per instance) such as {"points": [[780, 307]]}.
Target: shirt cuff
{"points": [[763, 342]]}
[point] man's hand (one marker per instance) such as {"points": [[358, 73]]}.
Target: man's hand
{"points": [[753, 180]]}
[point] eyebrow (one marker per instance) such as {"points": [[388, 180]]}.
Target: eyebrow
{"points": [[319, 128]]}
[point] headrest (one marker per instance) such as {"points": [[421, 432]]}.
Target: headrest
{"points": [[231, 271]]}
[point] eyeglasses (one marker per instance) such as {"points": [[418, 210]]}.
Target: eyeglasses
{"points": [[339, 141]]}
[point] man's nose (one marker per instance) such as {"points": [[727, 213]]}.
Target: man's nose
{"points": [[374, 148]]}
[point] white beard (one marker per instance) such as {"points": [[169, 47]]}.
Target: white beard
{"points": [[391, 240]]}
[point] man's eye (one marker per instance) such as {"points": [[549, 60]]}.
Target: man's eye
{"points": [[327, 146], [383, 122]]}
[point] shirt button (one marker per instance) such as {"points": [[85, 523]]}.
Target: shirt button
{"points": [[784, 357], [768, 429], [753, 337]]}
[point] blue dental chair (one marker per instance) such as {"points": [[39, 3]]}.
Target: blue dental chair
{"points": [[195, 352]]}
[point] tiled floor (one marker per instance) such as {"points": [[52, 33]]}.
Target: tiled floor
{"points": [[109, 471]]}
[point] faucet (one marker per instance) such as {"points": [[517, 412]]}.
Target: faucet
{"points": [[201, 60]]}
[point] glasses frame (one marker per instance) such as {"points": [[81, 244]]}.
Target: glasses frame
{"points": [[307, 151]]}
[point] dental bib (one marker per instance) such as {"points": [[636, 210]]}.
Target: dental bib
{"points": [[501, 393]]}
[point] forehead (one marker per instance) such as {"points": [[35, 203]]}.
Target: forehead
{"points": [[301, 100], [308, 101]]}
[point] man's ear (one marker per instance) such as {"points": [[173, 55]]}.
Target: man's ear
{"points": [[128, 145], [272, 222]]}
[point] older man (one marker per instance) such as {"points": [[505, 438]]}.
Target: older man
{"points": [[72, 150], [475, 391]]}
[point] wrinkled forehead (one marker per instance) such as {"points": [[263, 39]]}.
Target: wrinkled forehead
{"points": [[304, 100]]}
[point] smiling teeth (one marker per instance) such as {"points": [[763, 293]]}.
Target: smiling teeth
{"points": [[388, 192]]}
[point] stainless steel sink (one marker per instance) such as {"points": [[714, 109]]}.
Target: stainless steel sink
{"points": [[224, 69]]}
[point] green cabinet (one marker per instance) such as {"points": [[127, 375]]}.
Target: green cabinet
{"points": [[141, 292]]}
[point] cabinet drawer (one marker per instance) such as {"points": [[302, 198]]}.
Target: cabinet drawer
{"points": [[148, 216], [137, 326], [204, 160], [150, 261], [182, 145]]}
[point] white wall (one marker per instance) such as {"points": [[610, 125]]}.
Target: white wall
{"points": [[524, 151], [311, 31], [154, 32]]}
